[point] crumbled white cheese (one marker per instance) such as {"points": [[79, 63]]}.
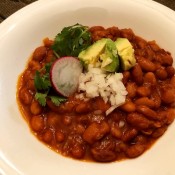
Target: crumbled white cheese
{"points": [[96, 83]]}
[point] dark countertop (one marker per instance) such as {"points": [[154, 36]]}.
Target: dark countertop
{"points": [[8, 7]]}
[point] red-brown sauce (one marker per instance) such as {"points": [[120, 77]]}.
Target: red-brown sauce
{"points": [[80, 129]]}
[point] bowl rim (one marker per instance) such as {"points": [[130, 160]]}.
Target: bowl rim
{"points": [[7, 25]]}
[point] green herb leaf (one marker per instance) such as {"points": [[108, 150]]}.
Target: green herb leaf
{"points": [[72, 40], [42, 82], [47, 67], [57, 100], [41, 98], [43, 87]]}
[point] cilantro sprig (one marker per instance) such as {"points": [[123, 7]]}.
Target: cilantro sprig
{"points": [[42, 82], [43, 86], [72, 40]]}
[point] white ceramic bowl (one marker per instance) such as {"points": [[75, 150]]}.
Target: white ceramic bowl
{"points": [[20, 152]]}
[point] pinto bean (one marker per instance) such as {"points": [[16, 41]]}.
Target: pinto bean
{"points": [[48, 42], [141, 43], [172, 81], [154, 46], [34, 65], [161, 73], [166, 116], [104, 151], [145, 101], [116, 131], [170, 115], [96, 28], [84, 120], [111, 37], [83, 107], [128, 106], [78, 151], [135, 150], [164, 58], [117, 116], [31, 85], [157, 124], [28, 75], [159, 132], [63, 108], [25, 96], [170, 71], [103, 155], [139, 52], [144, 91], [114, 31], [131, 88], [50, 56], [138, 120], [37, 123], [168, 94], [149, 78], [67, 107], [158, 65], [127, 33], [79, 129], [35, 108], [47, 136], [40, 53], [129, 134], [97, 35], [137, 74], [155, 96], [126, 76], [147, 132], [60, 137], [149, 53], [53, 119], [96, 131], [162, 115], [99, 104], [149, 113], [140, 139], [146, 64], [121, 147], [67, 120]]}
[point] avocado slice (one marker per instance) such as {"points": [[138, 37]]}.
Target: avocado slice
{"points": [[110, 60], [126, 53], [102, 53], [92, 53]]}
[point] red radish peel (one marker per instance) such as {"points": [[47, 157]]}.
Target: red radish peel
{"points": [[64, 75]]}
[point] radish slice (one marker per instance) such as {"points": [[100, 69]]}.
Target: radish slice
{"points": [[64, 75]]}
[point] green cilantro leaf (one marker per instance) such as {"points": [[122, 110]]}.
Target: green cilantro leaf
{"points": [[48, 67], [41, 98], [57, 100], [42, 82], [72, 40], [44, 87]]}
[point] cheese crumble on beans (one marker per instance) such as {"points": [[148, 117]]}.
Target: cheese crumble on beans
{"points": [[95, 82]]}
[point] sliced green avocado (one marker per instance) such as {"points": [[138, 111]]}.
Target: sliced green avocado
{"points": [[102, 53], [126, 53], [92, 53], [109, 58]]}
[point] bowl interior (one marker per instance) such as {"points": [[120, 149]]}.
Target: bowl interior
{"points": [[20, 152]]}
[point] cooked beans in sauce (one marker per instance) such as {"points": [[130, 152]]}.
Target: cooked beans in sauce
{"points": [[81, 130]]}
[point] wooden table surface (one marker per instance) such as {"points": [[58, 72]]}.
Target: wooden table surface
{"points": [[8, 7]]}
